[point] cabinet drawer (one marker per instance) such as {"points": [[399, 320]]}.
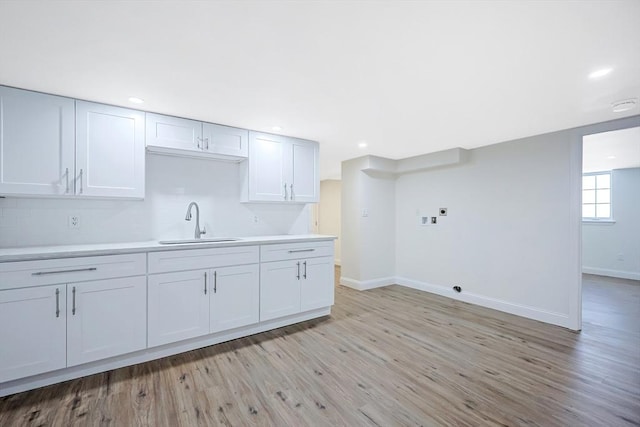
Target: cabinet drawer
{"points": [[68, 270], [285, 251], [193, 259]]}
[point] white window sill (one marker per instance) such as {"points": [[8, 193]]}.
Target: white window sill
{"points": [[599, 221]]}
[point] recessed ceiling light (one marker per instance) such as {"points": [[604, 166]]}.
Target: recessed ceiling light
{"points": [[276, 128], [362, 144], [611, 157], [136, 100], [600, 73], [624, 105]]}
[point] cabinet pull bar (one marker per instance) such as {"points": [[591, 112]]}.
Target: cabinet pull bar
{"points": [[301, 250], [305, 270], [81, 186], [198, 139], [73, 302], [57, 302], [293, 196], [285, 191], [77, 270], [206, 140], [66, 174], [215, 281], [298, 275], [205, 283]]}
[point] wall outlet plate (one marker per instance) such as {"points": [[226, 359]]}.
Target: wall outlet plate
{"points": [[73, 221]]}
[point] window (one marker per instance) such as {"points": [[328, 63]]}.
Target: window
{"points": [[596, 196]]}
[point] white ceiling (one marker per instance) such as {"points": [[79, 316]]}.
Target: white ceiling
{"points": [[407, 77], [618, 149]]}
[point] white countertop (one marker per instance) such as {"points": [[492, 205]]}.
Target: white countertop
{"points": [[66, 251]]}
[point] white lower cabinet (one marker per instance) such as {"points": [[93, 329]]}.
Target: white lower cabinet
{"points": [[193, 303], [235, 297], [105, 318], [178, 306], [317, 286], [293, 286], [279, 289], [32, 331]]}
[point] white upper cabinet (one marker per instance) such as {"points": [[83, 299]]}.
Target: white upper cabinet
{"points": [[173, 133], [36, 143], [280, 169], [54, 146], [225, 140], [190, 138], [109, 151], [305, 178]]}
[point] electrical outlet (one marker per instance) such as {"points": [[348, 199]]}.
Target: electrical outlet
{"points": [[434, 220], [365, 213], [255, 218], [73, 221]]}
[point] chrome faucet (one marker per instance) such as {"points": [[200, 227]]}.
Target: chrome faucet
{"points": [[197, 233]]}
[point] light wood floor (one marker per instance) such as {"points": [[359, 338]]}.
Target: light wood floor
{"points": [[386, 357]]}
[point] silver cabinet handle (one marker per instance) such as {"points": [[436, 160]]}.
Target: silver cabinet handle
{"points": [[285, 191], [206, 140], [198, 139], [305, 270], [205, 283], [298, 275], [81, 187], [66, 174], [215, 281], [73, 299], [293, 196], [57, 302], [301, 250], [77, 270]]}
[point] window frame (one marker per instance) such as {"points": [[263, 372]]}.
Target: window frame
{"points": [[610, 218]]}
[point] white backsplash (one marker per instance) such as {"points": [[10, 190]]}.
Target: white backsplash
{"points": [[172, 182]]}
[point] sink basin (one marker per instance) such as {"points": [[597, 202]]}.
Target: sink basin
{"points": [[189, 241]]}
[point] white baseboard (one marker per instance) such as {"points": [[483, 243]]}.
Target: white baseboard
{"points": [[611, 273], [529, 312], [363, 285]]}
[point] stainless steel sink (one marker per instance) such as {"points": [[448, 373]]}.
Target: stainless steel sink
{"points": [[189, 241]]}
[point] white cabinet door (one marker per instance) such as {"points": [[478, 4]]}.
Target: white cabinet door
{"points": [[267, 179], [318, 283], [178, 306], [306, 181], [173, 133], [225, 140], [109, 151], [279, 289], [235, 297], [36, 143], [105, 318], [32, 331]]}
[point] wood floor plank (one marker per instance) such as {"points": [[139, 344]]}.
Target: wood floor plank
{"points": [[385, 357]]}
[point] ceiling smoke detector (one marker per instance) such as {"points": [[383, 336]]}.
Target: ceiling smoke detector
{"points": [[624, 105]]}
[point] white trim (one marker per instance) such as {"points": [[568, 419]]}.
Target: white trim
{"points": [[146, 355], [598, 221], [560, 319], [363, 285], [611, 273]]}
